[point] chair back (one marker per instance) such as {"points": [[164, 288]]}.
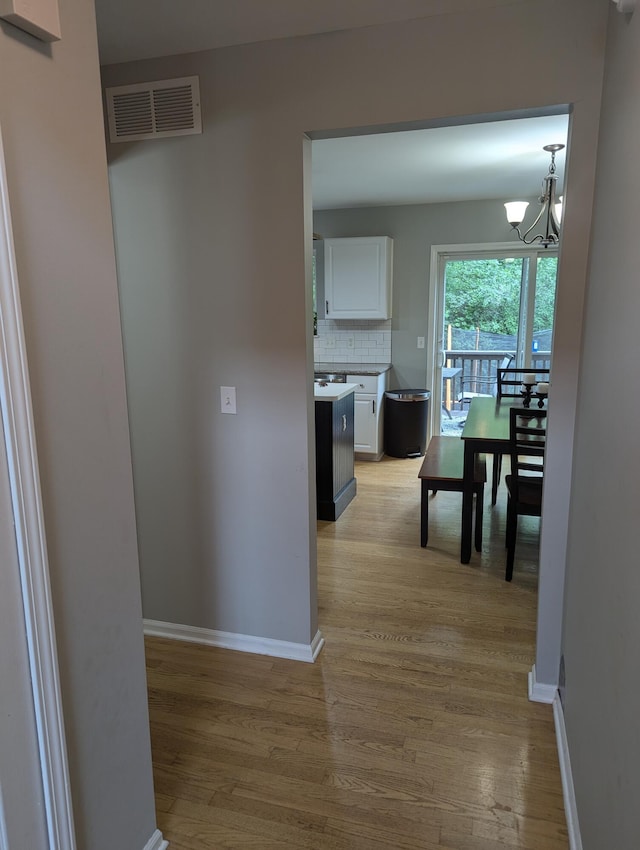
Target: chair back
{"points": [[510, 380], [527, 434]]}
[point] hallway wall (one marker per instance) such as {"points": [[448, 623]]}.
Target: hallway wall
{"points": [[215, 266], [602, 627], [51, 118]]}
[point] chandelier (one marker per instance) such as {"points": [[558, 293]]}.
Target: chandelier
{"points": [[550, 213]]}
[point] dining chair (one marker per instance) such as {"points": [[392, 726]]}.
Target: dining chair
{"points": [[509, 382], [527, 438], [490, 384], [509, 385]]}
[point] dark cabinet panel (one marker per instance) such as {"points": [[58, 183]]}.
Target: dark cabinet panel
{"points": [[335, 482]]}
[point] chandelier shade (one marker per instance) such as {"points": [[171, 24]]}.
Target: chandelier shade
{"points": [[516, 211], [550, 213]]}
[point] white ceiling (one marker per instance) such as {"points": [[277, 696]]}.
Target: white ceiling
{"points": [[498, 159], [501, 159]]}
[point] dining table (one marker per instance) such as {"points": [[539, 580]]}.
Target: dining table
{"points": [[486, 430]]}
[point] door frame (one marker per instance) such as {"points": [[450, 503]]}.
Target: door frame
{"points": [[28, 518], [438, 253]]}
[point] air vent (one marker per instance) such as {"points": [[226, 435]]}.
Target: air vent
{"points": [[154, 110]]}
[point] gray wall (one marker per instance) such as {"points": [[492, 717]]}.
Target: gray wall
{"points": [[602, 627], [414, 230], [50, 111], [212, 269]]}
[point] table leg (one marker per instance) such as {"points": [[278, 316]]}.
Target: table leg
{"points": [[467, 502], [424, 514]]}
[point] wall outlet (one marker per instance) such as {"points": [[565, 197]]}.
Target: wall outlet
{"points": [[228, 399], [420, 342], [351, 343], [330, 342]]}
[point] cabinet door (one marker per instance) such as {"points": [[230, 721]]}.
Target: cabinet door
{"points": [[366, 423], [343, 437], [358, 278]]}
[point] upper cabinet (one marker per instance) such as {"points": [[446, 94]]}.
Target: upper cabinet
{"points": [[358, 275]]}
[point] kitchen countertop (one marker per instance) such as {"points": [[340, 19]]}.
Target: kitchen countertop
{"points": [[353, 368], [332, 392]]}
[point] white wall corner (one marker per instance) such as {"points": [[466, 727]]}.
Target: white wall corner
{"points": [[156, 842], [240, 643], [568, 791], [627, 6], [538, 691]]}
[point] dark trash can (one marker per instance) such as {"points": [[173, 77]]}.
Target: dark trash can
{"points": [[406, 414]]}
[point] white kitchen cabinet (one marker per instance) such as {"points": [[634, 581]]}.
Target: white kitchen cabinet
{"points": [[358, 277], [368, 410]]}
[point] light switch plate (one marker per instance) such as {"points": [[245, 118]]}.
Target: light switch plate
{"points": [[228, 399], [40, 18]]}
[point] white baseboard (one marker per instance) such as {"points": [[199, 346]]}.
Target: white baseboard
{"points": [[549, 694], [241, 643], [156, 842], [539, 692], [568, 791]]}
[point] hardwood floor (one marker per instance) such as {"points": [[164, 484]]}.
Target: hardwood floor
{"points": [[413, 728]]}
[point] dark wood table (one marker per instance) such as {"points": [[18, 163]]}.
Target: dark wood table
{"points": [[486, 430]]}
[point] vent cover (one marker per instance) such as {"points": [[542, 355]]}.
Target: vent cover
{"points": [[154, 110]]}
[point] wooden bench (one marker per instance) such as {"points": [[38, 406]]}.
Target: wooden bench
{"points": [[442, 470]]}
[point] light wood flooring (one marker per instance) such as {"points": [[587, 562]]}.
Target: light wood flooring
{"points": [[413, 728]]}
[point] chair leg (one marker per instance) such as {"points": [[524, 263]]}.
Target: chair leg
{"points": [[479, 515], [495, 477], [424, 513]]}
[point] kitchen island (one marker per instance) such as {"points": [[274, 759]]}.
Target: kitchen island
{"points": [[371, 381], [335, 481]]}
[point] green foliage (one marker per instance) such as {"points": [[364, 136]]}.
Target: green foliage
{"points": [[485, 294], [545, 293]]}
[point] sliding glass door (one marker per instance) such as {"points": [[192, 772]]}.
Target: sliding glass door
{"points": [[493, 308]]}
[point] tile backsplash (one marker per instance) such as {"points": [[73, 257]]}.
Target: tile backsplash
{"points": [[357, 341]]}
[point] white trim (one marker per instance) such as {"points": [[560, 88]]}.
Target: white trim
{"points": [[19, 436], [156, 842], [549, 694], [539, 692], [489, 248], [240, 643], [568, 791], [4, 841]]}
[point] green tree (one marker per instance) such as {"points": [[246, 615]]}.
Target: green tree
{"points": [[545, 293], [485, 294]]}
